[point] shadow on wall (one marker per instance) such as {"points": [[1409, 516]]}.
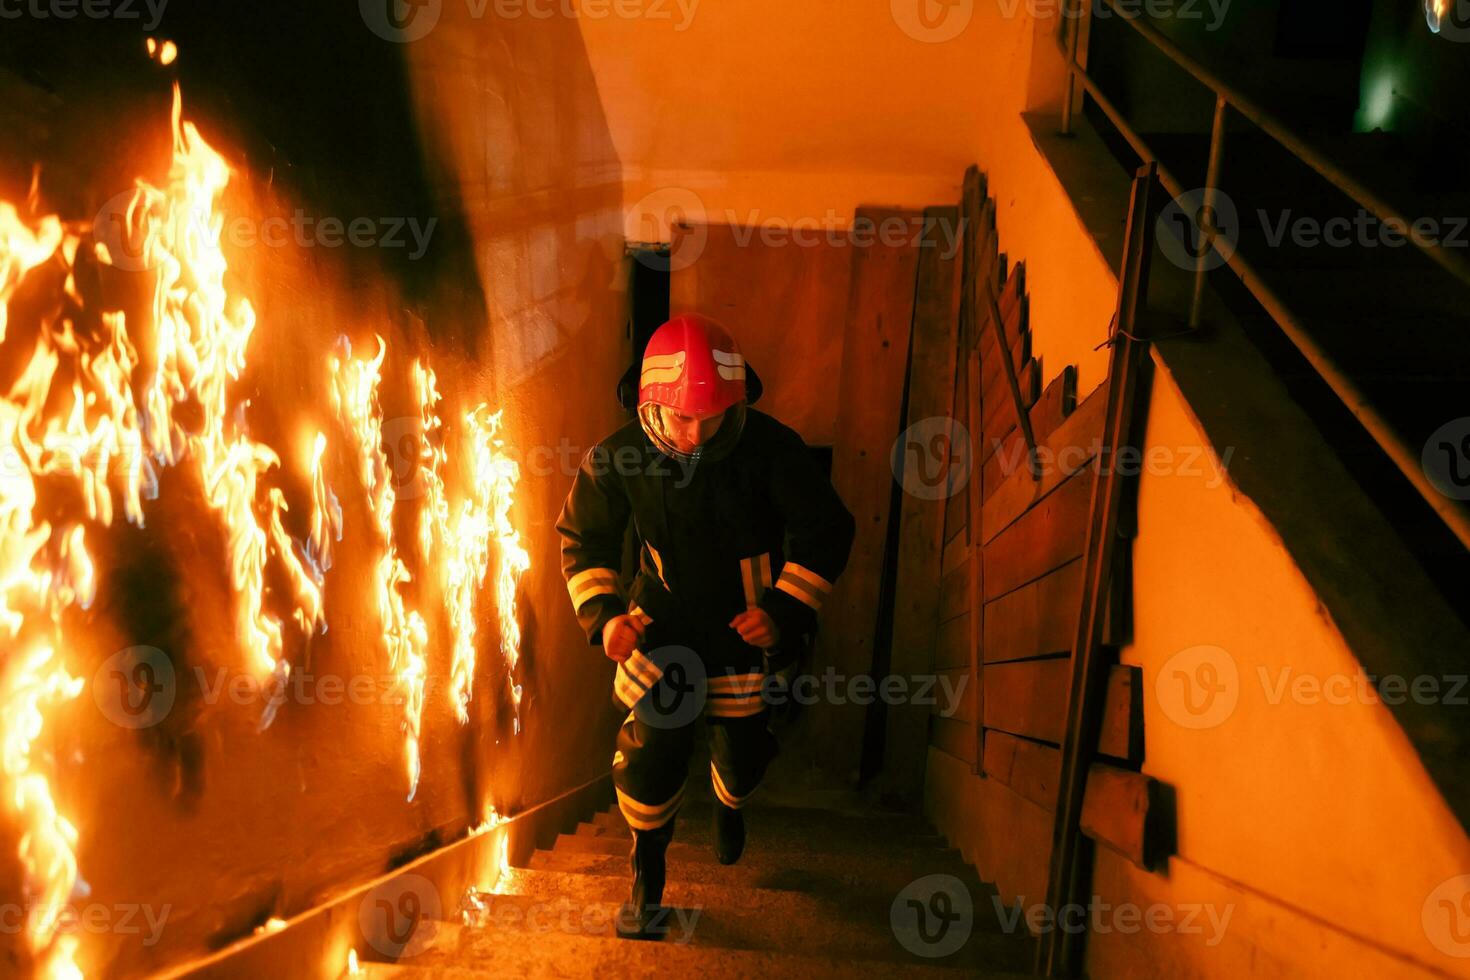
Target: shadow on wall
{"points": [[476, 170]]}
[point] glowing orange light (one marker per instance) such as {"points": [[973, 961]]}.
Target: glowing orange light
{"points": [[87, 416], [355, 397]]}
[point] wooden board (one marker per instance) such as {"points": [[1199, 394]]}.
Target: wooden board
{"points": [[954, 737], [1126, 812], [1039, 619], [976, 595], [954, 554], [1011, 298], [954, 592], [1028, 698], [1008, 454], [999, 416], [952, 646], [1046, 537], [1018, 333], [785, 305], [953, 694], [1031, 769], [880, 311], [1065, 451], [972, 200], [921, 528], [1121, 737], [956, 511]]}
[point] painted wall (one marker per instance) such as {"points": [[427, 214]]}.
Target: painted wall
{"points": [[1304, 812], [725, 111], [493, 129]]}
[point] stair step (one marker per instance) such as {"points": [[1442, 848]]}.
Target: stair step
{"points": [[808, 826], [737, 919], [759, 848], [610, 888], [775, 836], [463, 952], [846, 880]]}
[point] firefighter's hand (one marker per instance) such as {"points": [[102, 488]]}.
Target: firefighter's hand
{"points": [[757, 628], [620, 636]]}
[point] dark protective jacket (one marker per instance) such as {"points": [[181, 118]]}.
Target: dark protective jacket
{"points": [[762, 526]]}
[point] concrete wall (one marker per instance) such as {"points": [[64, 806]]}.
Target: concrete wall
{"points": [[494, 129]]}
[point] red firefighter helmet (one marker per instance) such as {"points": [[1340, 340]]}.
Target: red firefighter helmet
{"points": [[692, 366]]}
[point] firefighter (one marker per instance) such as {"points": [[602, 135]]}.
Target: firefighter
{"points": [[741, 536]]}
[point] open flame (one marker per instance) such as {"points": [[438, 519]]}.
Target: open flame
{"points": [[499, 473], [90, 425], [465, 534], [355, 397]]}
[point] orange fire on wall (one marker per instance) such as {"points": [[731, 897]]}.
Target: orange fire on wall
{"points": [[96, 418]]}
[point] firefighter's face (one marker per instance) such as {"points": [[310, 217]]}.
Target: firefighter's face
{"points": [[688, 433]]}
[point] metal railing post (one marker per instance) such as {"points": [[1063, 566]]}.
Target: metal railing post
{"points": [[1074, 39], [1208, 225]]}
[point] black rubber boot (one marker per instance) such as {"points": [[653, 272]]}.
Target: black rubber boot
{"points": [[643, 916], [729, 833]]}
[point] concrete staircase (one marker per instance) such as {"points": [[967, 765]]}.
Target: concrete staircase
{"points": [[823, 889]]}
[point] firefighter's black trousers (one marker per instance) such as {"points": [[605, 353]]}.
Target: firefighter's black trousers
{"points": [[668, 686]]}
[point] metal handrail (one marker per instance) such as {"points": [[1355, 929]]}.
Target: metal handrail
{"points": [[1352, 397], [1298, 147]]}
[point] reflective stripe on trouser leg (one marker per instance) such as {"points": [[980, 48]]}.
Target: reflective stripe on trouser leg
{"points": [[649, 770], [732, 695], [740, 749]]}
